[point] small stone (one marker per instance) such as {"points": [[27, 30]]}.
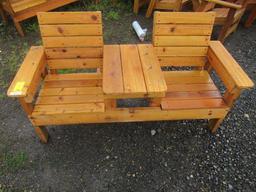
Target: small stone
{"points": [[153, 132], [107, 157], [165, 164], [191, 176], [133, 175], [230, 187], [247, 116]]}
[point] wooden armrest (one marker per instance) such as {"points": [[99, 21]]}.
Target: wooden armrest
{"points": [[28, 76], [226, 4], [230, 72]]}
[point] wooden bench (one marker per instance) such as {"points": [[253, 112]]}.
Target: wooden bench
{"points": [[74, 41], [20, 10]]}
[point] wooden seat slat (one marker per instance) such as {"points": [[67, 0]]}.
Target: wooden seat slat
{"points": [[68, 109], [75, 83], [193, 95], [72, 80], [71, 91], [72, 76], [133, 77], [171, 104], [68, 99]]}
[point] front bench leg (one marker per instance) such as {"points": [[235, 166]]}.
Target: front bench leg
{"points": [[214, 124], [42, 133]]}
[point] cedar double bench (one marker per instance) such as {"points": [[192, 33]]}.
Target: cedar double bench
{"points": [[172, 74]]}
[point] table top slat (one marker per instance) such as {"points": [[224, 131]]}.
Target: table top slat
{"points": [[133, 76], [112, 70], [153, 75]]}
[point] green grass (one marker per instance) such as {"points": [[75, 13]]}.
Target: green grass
{"points": [[111, 11], [112, 15], [11, 162], [31, 27]]}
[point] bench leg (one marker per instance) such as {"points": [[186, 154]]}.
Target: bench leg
{"points": [[110, 104], [214, 124], [136, 6], [150, 8], [4, 18], [18, 27], [251, 18], [155, 102], [42, 133]]}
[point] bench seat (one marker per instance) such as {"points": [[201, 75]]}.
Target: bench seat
{"points": [[191, 90], [70, 93]]}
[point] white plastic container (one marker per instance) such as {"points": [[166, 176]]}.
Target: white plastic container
{"points": [[141, 33]]}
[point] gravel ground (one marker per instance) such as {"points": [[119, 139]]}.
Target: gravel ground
{"points": [[151, 156]]}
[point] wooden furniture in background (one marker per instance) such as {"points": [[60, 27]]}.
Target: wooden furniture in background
{"points": [[252, 16], [137, 4], [182, 39], [228, 14], [73, 40], [20, 10], [171, 5]]}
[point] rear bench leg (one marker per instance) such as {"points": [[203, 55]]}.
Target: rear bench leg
{"points": [[214, 124], [42, 133], [18, 27]]}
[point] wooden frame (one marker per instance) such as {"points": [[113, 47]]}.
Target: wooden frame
{"points": [[228, 14], [22, 11], [164, 5], [74, 40], [252, 16]]}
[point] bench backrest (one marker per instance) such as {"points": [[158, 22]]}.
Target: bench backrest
{"points": [[181, 38], [72, 40]]}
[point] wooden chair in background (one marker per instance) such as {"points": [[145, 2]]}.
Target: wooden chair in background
{"points": [[252, 16], [228, 14], [171, 5], [20, 10], [138, 4]]}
